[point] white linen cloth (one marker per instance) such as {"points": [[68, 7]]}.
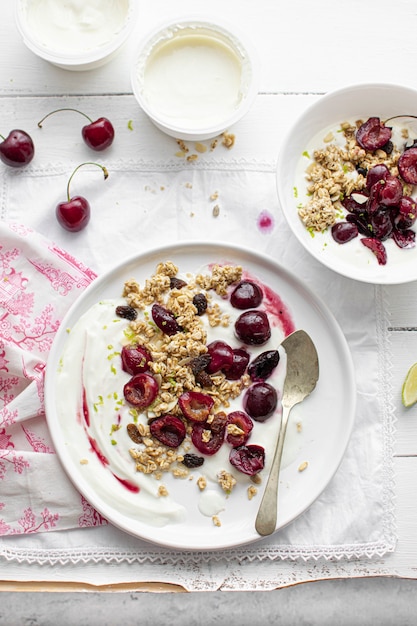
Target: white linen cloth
{"points": [[147, 202]]}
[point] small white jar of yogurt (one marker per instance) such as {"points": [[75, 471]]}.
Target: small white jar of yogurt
{"points": [[194, 78], [75, 34]]}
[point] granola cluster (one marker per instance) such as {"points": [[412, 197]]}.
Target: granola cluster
{"points": [[336, 172]]}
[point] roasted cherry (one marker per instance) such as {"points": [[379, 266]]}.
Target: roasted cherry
{"points": [[263, 365], [248, 459], [141, 390], [169, 430], [238, 428], [165, 320], [377, 247], [252, 327], [135, 359], [342, 232], [239, 364], [407, 166], [208, 438], [195, 406], [221, 356], [260, 401], [373, 134], [247, 295]]}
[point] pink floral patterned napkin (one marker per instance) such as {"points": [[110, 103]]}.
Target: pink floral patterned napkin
{"points": [[38, 283]]}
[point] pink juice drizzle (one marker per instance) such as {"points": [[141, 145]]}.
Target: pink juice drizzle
{"points": [[274, 305], [265, 222]]}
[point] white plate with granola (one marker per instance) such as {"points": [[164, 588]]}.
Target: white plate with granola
{"points": [[145, 402], [347, 182]]}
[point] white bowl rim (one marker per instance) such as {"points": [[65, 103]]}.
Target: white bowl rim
{"points": [[145, 45]]}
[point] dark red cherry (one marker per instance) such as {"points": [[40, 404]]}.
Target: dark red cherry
{"points": [[141, 390], [208, 438], [377, 247], [407, 166], [169, 430], [260, 401], [404, 238], [376, 173], [263, 365], [373, 134], [221, 356], [135, 359], [247, 295], [17, 149], [252, 327], [342, 232], [74, 213], [248, 459], [98, 134], [238, 421], [195, 406], [407, 213], [165, 320], [239, 364], [391, 191]]}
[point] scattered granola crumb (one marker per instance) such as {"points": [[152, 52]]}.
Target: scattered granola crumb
{"points": [[228, 140], [202, 483], [200, 147], [256, 479], [213, 144], [189, 185], [216, 211], [183, 146], [162, 491], [226, 481], [180, 154], [252, 491], [83, 461], [192, 157], [299, 427], [214, 196], [303, 466], [216, 521]]}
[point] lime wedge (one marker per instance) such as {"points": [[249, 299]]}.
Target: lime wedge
{"points": [[409, 390]]}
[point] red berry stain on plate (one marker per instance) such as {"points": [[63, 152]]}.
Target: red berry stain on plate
{"points": [[265, 222]]}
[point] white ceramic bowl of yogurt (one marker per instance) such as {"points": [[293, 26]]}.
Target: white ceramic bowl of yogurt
{"points": [[317, 128], [194, 78], [76, 34]]}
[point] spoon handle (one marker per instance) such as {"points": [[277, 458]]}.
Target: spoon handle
{"points": [[266, 520]]}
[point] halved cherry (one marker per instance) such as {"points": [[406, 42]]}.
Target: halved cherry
{"points": [[195, 406], [263, 365], [169, 430], [248, 459], [141, 390], [208, 438], [135, 359], [373, 134], [238, 421]]}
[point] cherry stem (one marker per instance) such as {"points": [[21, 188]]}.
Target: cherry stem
{"points": [[64, 109], [102, 167], [395, 117], [1, 137]]}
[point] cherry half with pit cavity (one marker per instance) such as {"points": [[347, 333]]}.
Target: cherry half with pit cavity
{"points": [[17, 149], [74, 214], [98, 134]]}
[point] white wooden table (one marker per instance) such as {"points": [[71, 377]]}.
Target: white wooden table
{"points": [[305, 49]]}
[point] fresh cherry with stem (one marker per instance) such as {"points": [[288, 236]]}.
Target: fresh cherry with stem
{"points": [[17, 149], [98, 134], [74, 213]]}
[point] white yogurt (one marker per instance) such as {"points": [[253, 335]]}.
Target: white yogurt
{"points": [[90, 404], [75, 26], [193, 79]]}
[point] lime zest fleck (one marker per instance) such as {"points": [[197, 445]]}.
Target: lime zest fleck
{"points": [[306, 154], [130, 124]]}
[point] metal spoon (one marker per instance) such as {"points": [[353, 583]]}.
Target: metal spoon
{"points": [[301, 378]]}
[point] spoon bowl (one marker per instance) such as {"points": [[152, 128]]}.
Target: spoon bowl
{"points": [[301, 379]]}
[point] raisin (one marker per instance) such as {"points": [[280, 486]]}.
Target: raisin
{"points": [[176, 283], [203, 379], [200, 303], [127, 312], [192, 460], [199, 363], [133, 432]]}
